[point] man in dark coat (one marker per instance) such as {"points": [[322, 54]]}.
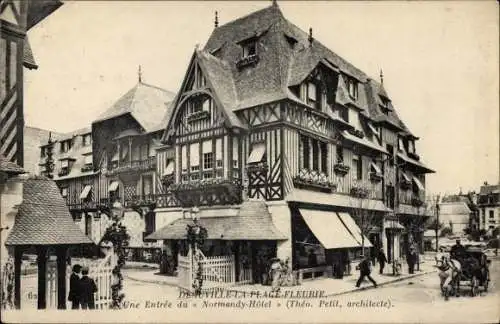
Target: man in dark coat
{"points": [[381, 260], [411, 259], [364, 271], [74, 287], [457, 251], [88, 288]]}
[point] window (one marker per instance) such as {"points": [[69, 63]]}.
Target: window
{"points": [[235, 153], [86, 139], [340, 154], [390, 150], [208, 161], [184, 158], [492, 214], [314, 154], [200, 80], [66, 146], [352, 88], [249, 49], [64, 164], [401, 145], [389, 192], [64, 192], [312, 95], [258, 153], [344, 113], [43, 152], [357, 163], [385, 105]]}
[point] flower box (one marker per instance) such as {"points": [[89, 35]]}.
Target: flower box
{"points": [[87, 168], [417, 202], [341, 169], [198, 115], [376, 177], [314, 184], [248, 60], [356, 132], [359, 192], [257, 167]]}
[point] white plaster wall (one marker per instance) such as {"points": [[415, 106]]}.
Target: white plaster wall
{"points": [[11, 195], [282, 219]]}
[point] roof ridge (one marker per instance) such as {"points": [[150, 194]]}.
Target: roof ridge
{"points": [[250, 15], [156, 87]]}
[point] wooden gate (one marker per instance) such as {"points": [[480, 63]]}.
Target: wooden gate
{"points": [[100, 270], [185, 272]]}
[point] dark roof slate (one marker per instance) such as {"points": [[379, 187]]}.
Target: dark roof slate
{"points": [[253, 222], [43, 217], [28, 58], [9, 167]]}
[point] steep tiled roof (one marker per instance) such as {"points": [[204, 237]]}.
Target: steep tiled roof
{"points": [[253, 222], [488, 189], [43, 217], [9, 167], [28, 59], [146, 103], [454, 208]]}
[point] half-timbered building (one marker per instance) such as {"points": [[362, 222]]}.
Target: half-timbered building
{"points": [[266, 112]]}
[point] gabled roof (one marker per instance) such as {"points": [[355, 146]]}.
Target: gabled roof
{"points": [[39, 10], [454, 208], [489, 189], [43, 217], [145, 103]]}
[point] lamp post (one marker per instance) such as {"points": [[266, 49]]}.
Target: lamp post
{"points": [[437, 222]]}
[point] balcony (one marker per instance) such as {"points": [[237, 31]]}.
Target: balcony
{"points": [[207, 192], [140, 201], [198, 115], [247, 60], [133, 166], [314, 180]]}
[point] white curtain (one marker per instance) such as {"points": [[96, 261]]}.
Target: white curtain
{"points": [[194, 154]]}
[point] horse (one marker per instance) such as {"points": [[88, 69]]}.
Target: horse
{"points": [[449, 274]]}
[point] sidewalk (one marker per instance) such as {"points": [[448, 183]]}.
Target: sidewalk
{"points": [[332, 287]]}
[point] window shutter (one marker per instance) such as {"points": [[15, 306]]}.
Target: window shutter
{"points": [[194, 154]]}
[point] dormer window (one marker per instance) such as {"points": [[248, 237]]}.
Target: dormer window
{"points": [[249, 49], [352, 88], [385, 105], [66, 146], [312, 94], [86, 139]]}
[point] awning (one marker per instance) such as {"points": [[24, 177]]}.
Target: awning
{"points": [[354, 229], [393, 225], [364, 142], [405, 176], [257, 153], [85, 192], [115, 157], [415, 162], [328, 229], [170, 168], [419, 184], [375, 168], [113, 186]]}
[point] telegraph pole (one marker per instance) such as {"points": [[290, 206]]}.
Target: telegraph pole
{"points": [[437, 222]]}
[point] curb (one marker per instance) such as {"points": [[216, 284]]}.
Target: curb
{"points": [[382, 284]]}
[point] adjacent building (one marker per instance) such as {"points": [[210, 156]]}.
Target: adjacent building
{"points": [[489, 207]]}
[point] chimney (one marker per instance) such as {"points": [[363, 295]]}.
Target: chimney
{"points": [[310, 38], [216, 21]]}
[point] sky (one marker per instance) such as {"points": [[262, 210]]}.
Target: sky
{"points": [[440, 62]]}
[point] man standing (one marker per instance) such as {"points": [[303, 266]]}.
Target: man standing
{"points": [[411, 259], [381, 260], [457, 251], [88, 288], [74, 287], [364, 271]]}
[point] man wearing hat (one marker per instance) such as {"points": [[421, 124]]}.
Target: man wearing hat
{"points": [[74, 287], [88, 288]]}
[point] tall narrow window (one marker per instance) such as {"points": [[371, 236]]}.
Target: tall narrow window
{"points": [[184, 158], [315, 152], [249, 49], [324, 153], [390, 150], [357, 164], [305, 152], [313, 98], [340, 154]]}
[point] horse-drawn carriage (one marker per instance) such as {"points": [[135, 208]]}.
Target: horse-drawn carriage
{"points": [[468, 269]]}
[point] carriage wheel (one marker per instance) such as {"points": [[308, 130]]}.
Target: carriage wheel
{"points": [[474, 286]]}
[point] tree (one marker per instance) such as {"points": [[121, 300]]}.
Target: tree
{"points": [[446, 231], [432, 224], [117, 235], [360, 206]]}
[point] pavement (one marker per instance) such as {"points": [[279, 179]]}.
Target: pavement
{"points": [[332, 287]]}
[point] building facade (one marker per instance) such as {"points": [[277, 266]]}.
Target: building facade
{"points": [[266, 112], [489, 207]]}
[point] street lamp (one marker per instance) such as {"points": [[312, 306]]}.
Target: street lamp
{"points": [[437, 222]]}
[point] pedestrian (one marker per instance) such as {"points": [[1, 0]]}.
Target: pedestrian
{"points": [[74, 287], [381, 260], [275, 273], [88, 288], [411, 260], [364, 271]]}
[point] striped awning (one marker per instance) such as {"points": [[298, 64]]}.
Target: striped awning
{"points": [[113, 186], [354, 229], [170, 168], [257, 153], [85, 192], [419, 184]]}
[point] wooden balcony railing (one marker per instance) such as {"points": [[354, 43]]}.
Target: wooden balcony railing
{"points": [[133, 166], [140, 201], [314, 180]]}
